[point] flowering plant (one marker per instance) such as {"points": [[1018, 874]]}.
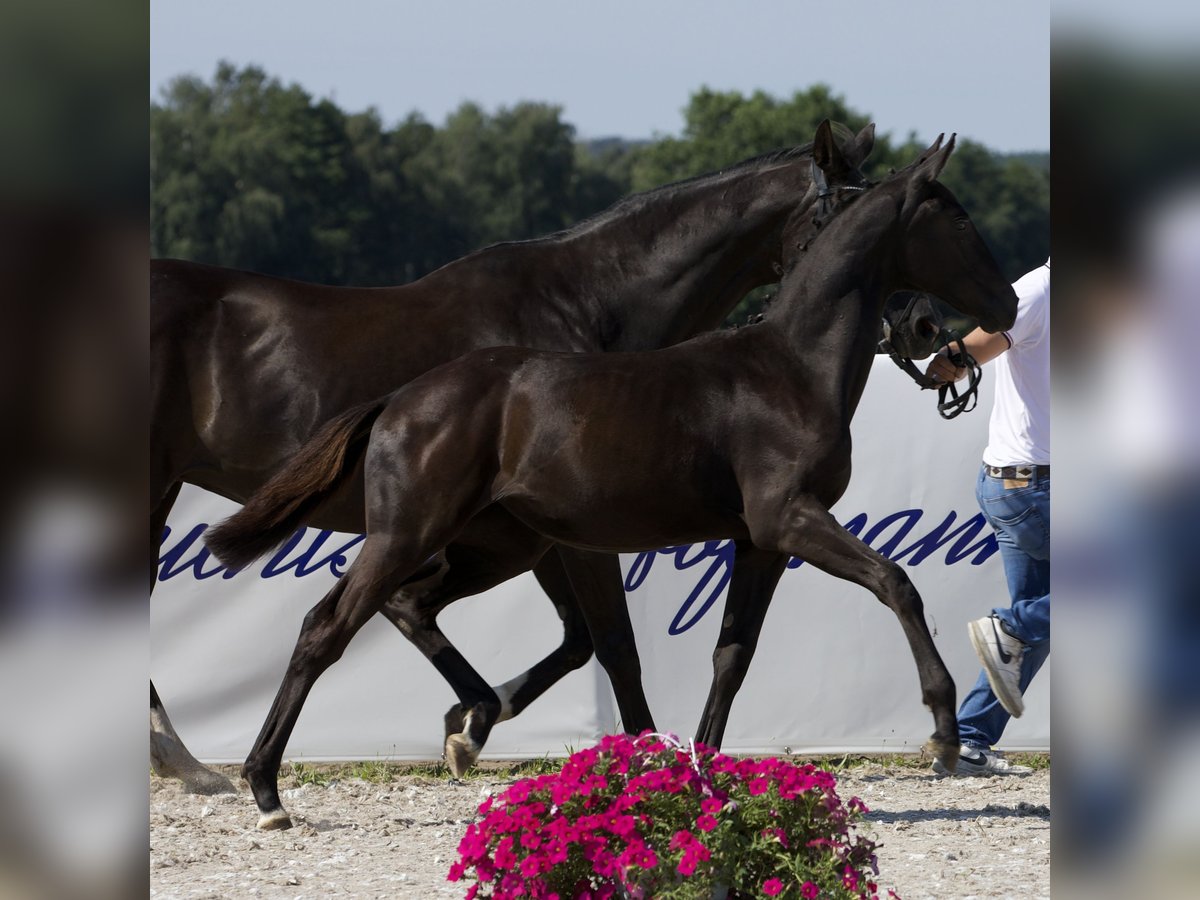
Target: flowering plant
{"points": [[649, 817]]}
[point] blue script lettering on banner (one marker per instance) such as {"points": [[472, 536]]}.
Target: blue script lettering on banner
{"points": [[169, 559], [716, 576], [971, 541], [172, 563], [720, 570], [335, 561]]}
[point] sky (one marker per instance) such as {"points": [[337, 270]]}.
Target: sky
{"points": [[622, 68]]}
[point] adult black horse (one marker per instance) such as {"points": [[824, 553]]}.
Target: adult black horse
{"points": [[743, 434], [246, 368]]}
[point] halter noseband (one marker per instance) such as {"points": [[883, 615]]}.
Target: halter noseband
{"points": [[957, 403]]}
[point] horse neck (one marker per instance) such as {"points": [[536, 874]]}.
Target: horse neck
{"points": [[670, 265], [828, 313]]}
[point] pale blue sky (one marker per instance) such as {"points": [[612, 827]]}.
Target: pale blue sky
{"points": [[627, 68]]}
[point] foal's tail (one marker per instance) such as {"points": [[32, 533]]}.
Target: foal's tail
{"points": [[281, 505]]}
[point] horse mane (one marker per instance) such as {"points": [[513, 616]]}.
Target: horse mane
{"points": [[635, 202]]}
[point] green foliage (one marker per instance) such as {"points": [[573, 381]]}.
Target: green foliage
{"points": [[304, 773], [251, 173], [724, 127]]}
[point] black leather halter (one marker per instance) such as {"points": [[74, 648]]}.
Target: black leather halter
{"points": [[958, 355], [825, 193]]}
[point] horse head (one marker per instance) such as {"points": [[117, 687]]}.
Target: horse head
{"points": [[940, 251]]}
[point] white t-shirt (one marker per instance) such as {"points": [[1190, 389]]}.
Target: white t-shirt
{"points": [[1019, 431]]}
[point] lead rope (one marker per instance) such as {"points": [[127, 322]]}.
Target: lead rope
{"points": [[958, 403]]}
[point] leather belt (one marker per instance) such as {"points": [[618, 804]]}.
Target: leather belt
{"points": [[1017, 472]]}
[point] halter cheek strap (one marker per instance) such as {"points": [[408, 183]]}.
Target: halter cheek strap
{"points": [[958, 403]]}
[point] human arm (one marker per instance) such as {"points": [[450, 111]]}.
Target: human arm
{"points": [[984, 347]]}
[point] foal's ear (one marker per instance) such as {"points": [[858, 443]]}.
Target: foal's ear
{"points": [[864, 143], [931, 163], [827, 154]]}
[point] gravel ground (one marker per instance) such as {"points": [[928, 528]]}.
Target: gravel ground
{"points": [[940, 837]]}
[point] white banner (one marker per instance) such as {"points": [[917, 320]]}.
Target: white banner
{"points": [[833, 671]]}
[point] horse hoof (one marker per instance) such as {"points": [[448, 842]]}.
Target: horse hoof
{"points": [[276, 820], [205, 781], [459, 755], [944, 752]]}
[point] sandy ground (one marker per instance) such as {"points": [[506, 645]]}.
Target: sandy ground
{"points": [[940, 837]]}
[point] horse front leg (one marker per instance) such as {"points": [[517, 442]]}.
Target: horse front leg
{"points": [[805, 528], [756, 572]]}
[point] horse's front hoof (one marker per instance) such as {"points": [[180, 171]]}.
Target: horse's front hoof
{"points": [[460, 756], [276, 820], [945, 752]]}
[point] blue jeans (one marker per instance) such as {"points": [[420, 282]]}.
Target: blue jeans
{"points": [[1021, 519]]}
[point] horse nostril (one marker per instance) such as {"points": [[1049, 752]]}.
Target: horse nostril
{"points": [[926, 327]]}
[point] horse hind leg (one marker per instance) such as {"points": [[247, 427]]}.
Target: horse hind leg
{"points": [[379, 572], [169, 756], [807, 530], [467, 726]]}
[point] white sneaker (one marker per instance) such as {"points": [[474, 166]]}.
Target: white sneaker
{"points": [[973, 761], [1001, 655]]}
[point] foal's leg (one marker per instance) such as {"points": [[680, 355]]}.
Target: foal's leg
{"points": [[414, 611], [468, 726], [805, 528], [593, 576], [385, 561], [755, 574], [169, 758]]}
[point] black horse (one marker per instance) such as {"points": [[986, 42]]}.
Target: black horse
{"points": [[743, 434], [246, 368]]}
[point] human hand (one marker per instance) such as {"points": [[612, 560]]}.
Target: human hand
{"points": [[940, 368]]}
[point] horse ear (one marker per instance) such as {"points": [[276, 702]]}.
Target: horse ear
{"points": [[930, 167], [930, 150], [864, 143], [826, 153]]}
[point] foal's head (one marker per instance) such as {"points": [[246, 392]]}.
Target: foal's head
{"points": [[911, 233], [937, 248]]}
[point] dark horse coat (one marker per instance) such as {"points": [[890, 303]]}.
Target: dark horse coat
{"points": [[742, 434], [245, 369]]}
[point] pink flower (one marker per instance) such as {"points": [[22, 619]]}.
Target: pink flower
{"points": [[808, 890], [849, 878], [505, 858], [530, 866], [681, 839], [711, 805], [706, 822], [772, 886]]}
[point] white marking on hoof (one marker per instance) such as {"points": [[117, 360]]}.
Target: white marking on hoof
{"points": [[461, 754], [275, 820], [506, 692]]}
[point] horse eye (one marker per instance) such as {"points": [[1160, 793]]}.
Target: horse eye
{"points": [[961, 224]]}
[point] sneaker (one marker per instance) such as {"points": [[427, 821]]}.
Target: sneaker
{"points": [[973, 761], [1000, 654]]}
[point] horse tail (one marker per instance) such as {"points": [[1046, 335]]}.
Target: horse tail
{"points": [[280, 506]]}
